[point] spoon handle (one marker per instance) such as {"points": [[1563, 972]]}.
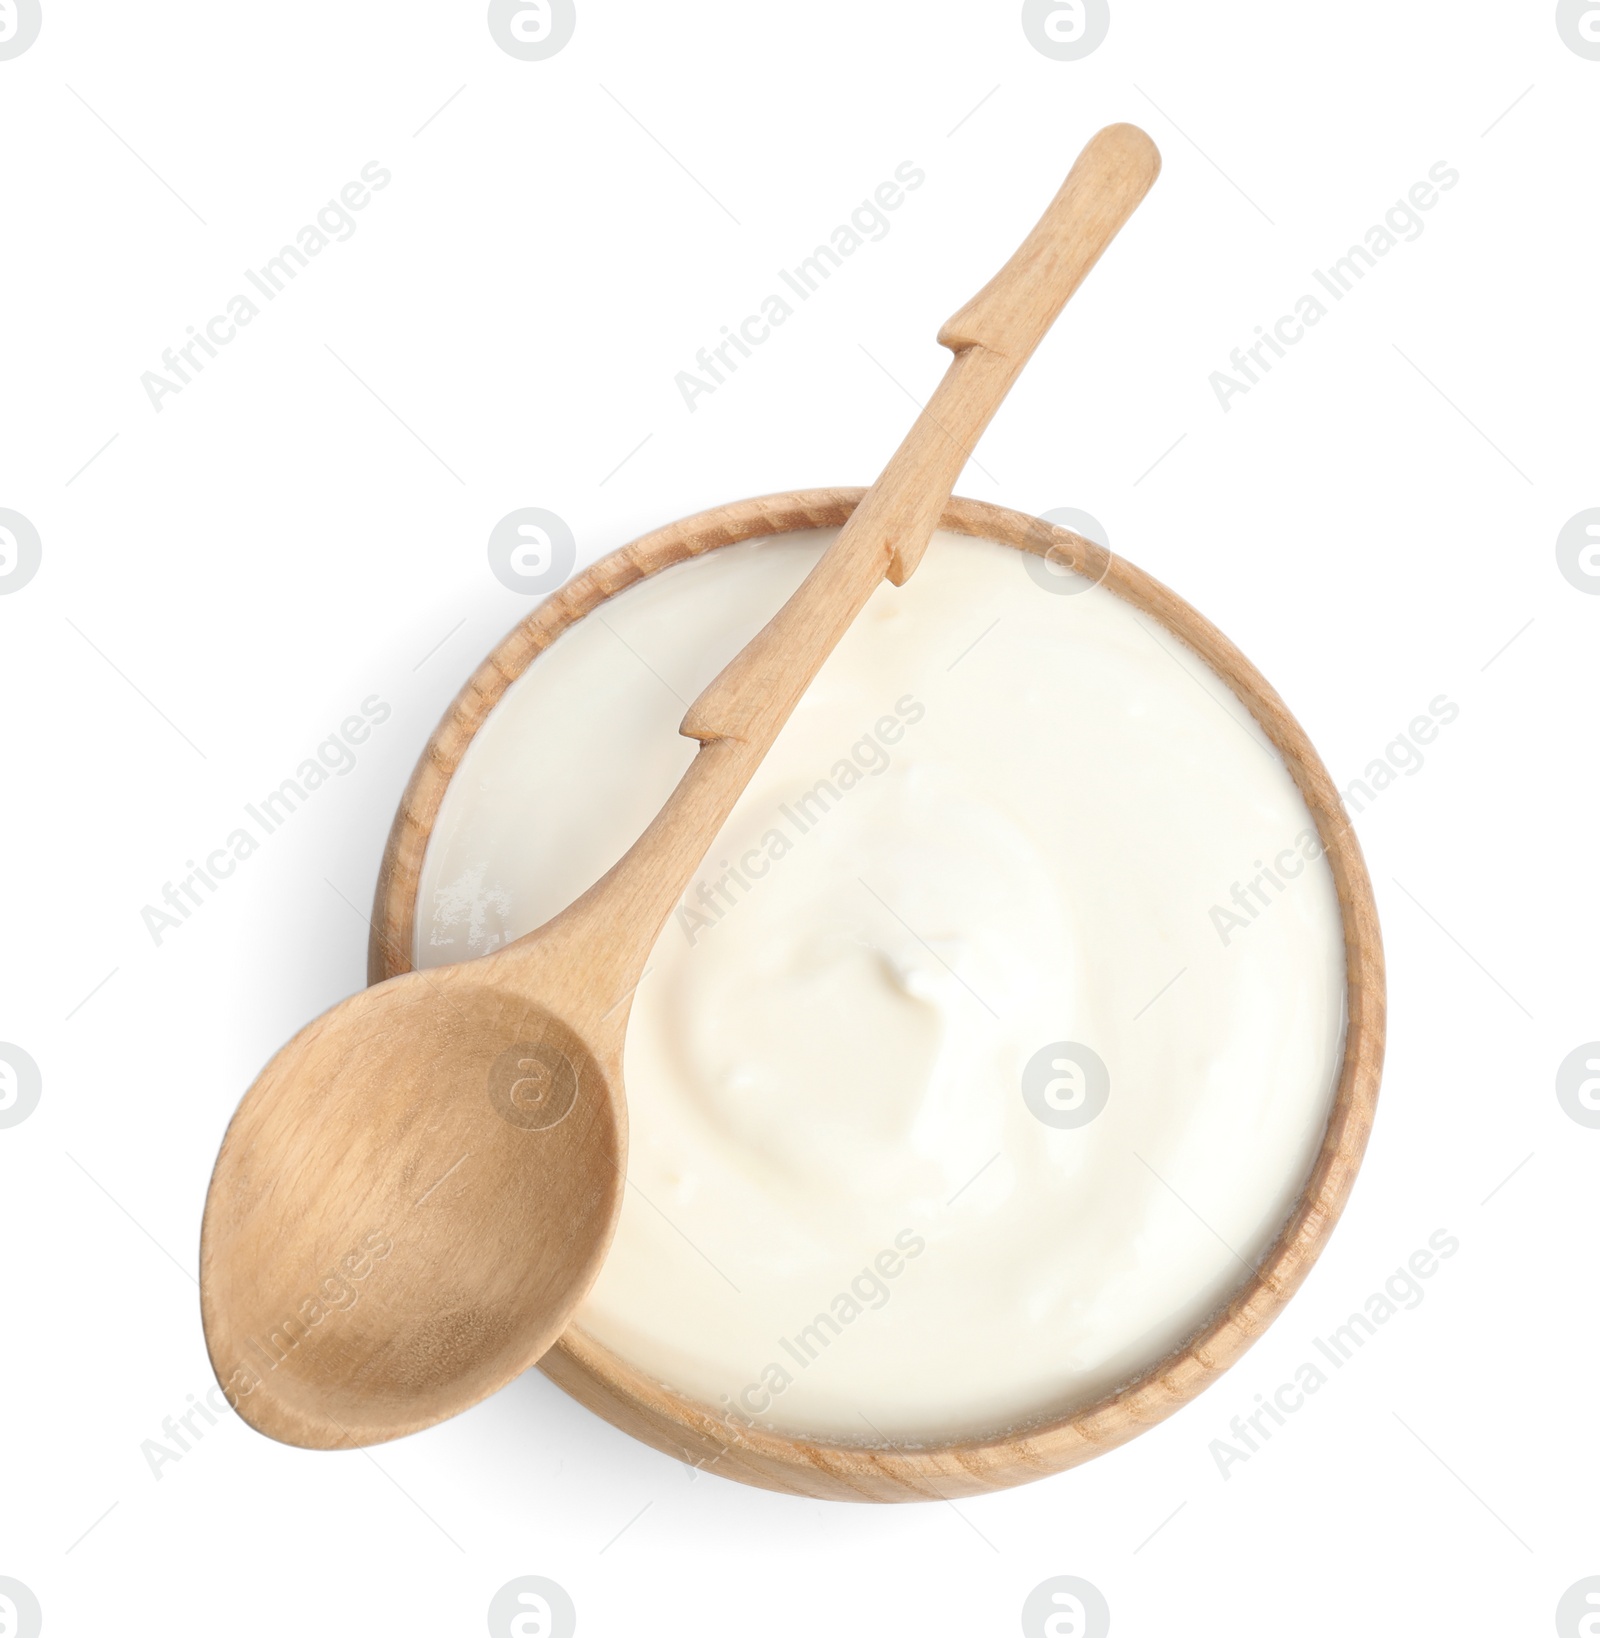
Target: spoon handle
{"points": [[992, 338], [739, 714]]}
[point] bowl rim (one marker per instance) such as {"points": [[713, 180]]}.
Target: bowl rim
{"points": [[708, 1439]]}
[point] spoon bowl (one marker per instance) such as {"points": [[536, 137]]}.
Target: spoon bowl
{"points": [[412, 1198]]}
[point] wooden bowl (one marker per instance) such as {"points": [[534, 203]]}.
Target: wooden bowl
{"points": [[698, 1434]]}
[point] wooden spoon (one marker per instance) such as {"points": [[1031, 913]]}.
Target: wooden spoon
{"points": [[420, 1188]]}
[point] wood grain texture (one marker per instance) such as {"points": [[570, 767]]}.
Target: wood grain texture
{"points": [[701, 1435]]}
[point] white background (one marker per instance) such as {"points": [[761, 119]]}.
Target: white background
{"points": [[224, 581]]}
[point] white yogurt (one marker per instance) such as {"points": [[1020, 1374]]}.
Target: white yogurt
{"points": [[1004, 818]]}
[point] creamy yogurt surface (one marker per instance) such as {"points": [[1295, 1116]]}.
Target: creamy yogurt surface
{"points": [[994, 1042]]}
